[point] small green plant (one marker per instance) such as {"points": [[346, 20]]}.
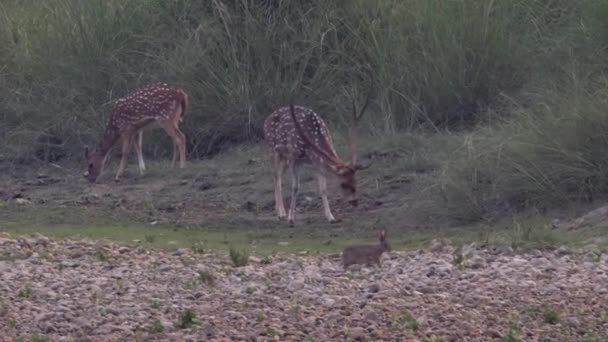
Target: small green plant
{"points": [[260, 316], [550, 315], [266, 260], [101, 255], [239, 258], [38, 338], [198, 247], [150, 238], [156, 327], [155, 305], [512, 334], [433, 339], [458, 259], [407, 320], [295, 310], [3, 309], [25, 292], [206, 277], [186, 319]]}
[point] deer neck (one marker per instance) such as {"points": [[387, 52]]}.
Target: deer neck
{"points": [[326, 166], [110, 136]]}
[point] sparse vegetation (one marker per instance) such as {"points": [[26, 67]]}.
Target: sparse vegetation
{"points": [[239, 258]]}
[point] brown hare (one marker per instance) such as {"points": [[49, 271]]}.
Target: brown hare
{"points": [[365, 254]]}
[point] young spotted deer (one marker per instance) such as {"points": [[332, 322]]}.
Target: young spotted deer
{"points": [[155, 105], [297, 136]]}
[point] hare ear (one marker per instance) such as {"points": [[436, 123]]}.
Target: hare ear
{"points": [[86, 152], [382, 235]]}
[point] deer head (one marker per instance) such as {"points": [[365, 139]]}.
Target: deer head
{"points": [[344, 170], [95, 163]]}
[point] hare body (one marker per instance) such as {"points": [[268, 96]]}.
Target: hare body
{"points": [[365, 254]]}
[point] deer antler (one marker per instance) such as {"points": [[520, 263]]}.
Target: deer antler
{"points": [[352, 144], [307, 139]]}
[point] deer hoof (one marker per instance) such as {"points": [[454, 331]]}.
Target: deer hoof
{"points": [[291, 224], [282, 218], [335, 221]]}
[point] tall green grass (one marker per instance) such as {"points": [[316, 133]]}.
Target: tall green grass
{"points": [[437, 63]]}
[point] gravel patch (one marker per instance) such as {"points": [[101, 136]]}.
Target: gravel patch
{"points": [[68, 290]]}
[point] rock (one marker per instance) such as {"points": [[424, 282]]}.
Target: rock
{"points": [[572, 322], [441, 246], [22, 201], [491, 333], [374, 288], [327, 302], [296, 284], [356, 333], [563, 250]]}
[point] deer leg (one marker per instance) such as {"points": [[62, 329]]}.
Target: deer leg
{"points": [[175, 154], [323, 192], [279, 205], [295, 180], [179, 140], [127, 139], [138, 151], [182, 147]]}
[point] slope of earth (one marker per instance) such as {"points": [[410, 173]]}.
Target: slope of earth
{"points": [[231, 192], [71, 290]]}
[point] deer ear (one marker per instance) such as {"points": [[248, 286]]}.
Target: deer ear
{"points": [[86, 152]]}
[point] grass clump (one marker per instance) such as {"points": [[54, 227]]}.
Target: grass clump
{"points": [[156, 327], [239, 258], [458, 259], [101, 256], [513, 333], [206, 277], [186, 319], [198, 247], [150, 238], [550, 315], [25, 292], [407, 320]]}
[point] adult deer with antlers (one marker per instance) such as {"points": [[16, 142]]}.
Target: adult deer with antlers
{"points": [[297, 136], [155, 105]]}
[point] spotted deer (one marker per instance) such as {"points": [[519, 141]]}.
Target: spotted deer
{"points": [[298, 136], [155, 105]]}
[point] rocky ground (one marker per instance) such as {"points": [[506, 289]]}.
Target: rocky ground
{"points": [[99, 291]]}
